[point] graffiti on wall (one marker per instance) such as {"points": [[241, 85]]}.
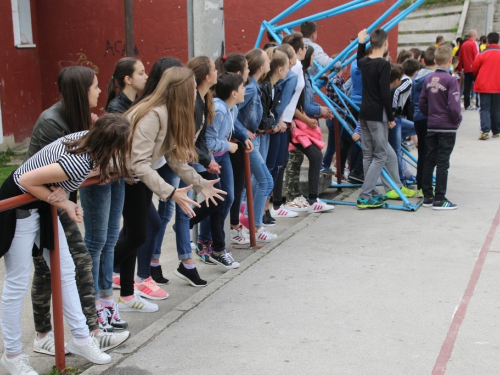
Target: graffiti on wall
{"points": [[117, 48], [82, 61]]}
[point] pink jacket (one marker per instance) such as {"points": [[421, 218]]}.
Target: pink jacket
{"points": [[306, 136]]}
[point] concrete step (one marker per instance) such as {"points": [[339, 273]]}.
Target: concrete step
{"points": [[496, 26], [406, 47], [437, 23], [423, 39], [421, 13]]}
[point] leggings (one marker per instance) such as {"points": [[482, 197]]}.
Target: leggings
{"points": [[239, 181]]}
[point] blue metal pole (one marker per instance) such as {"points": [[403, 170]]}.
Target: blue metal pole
{"points": [[293, 8]]}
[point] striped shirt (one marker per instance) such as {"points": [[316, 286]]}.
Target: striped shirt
{"points": [[76, 167]]}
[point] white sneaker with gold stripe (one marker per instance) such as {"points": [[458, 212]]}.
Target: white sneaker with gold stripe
{"points": [[137, 304]]}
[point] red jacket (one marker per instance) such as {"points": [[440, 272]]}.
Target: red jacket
{"points": [[486, 68], [468, 52]]}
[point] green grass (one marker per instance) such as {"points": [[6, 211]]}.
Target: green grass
{"points": [[67, 371], [6, 170]]}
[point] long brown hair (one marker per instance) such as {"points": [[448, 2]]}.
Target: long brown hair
{"points": [[175, 91], [278, 60], [123, 68], [106, 142], [74, 83], [256, 60], [200, 65]]}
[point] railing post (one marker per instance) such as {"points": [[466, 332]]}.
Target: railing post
{"points": [[248, 182], [336, 127], [55, 269]]}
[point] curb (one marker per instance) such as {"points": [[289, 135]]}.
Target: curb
{"points": [[141, 339]]}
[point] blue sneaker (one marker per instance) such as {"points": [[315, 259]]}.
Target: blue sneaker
{"points": [[369, 203], [412, 180]]}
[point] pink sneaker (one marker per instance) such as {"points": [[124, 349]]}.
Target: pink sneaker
{"points": [[244, 221], [242, 208], [149, 289], [116, 281]]}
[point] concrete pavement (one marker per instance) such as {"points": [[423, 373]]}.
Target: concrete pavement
{"points": [[356, 292]]}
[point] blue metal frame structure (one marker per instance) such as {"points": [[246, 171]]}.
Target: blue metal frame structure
{"points": [[345, 57]]}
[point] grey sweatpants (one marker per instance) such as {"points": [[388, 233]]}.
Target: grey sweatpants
{"points": [[377, 154]]}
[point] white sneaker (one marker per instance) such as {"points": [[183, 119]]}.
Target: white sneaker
{"points": [[89, 350], [110, 340], [46, 345], [238, 236], [319, 206], [103, 316], [297, 205], [283, 212], [263, 235], [137, 304], [18, 366]]}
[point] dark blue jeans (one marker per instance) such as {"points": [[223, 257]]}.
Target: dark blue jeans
{"points": [[330, 147], [276, 161], [490, 113]]}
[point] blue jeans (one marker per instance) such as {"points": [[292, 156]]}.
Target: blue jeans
{"points": [[103, 206], [263, 182], [165, 209], [227, 184], [404, 128], [490, 113], [330, 147], [182, 232], [265, 140]]}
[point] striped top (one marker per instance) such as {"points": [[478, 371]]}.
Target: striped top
{"points": [[76, 167]]}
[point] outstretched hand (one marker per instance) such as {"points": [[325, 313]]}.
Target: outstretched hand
{"points": [[210, 192], [181, 198], [362, 36]]}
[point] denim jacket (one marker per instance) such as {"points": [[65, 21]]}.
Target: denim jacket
{"points": [[284, 91], [311, 108], [217, 134], [250, 111]]}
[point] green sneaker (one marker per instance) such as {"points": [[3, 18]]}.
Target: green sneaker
{"points": [[420, 193], [408, 193], [484, 136], [369, 203]]}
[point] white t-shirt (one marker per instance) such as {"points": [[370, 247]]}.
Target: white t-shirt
{"points": [[290, 109]]}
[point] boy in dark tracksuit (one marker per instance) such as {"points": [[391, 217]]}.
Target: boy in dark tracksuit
{"points": [[440, 102]]}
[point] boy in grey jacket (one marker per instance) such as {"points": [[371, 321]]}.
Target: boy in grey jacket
{"points": [[440, 102]]}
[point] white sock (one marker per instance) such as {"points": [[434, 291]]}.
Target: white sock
{"points": [[139, 280], [106, 302], [98, 307]]}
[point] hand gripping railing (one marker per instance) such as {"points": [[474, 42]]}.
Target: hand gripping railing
{"points": [[55, 269]]}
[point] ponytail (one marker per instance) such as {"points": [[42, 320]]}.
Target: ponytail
{"points": [[123, 68], [232, 63]]}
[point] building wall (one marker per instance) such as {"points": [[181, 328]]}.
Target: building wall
{"points": [[19, 78], [97, 39], [242, 24]]}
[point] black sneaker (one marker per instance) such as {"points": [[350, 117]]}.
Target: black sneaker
{"points": [[445, 204], [225, 260], [268, 220], [191, 276], [114, 318], [157, 275], [356, 177], [428, 202]]}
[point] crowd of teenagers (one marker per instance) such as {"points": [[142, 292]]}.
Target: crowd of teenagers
{"points": [[179, 130]]}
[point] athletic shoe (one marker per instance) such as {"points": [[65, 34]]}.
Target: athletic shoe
{"points": [[268, 220], [225, 260], [103, 320], [296, 205], [470, 108], [319, 206], [369, 203], [283, 212], [263, 235], [89, 350], [157, 275], [495, 135], [114, 318], [46, 345], [356, 177], [238, 237], [203, 250], [420, 193], [149, 289], [191, 276], [109, 341], [381, 198], [137, 304], [327, 171], [445, 204], [428, 202], [244, 221], [412, 180], [116, 281], [19, 365], [484, 136], [408, 193]]}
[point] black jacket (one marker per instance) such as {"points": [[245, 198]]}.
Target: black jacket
{"points": [[200, 122], [119, 104], [268, 116]]}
